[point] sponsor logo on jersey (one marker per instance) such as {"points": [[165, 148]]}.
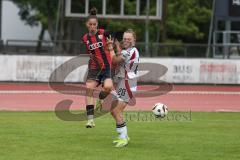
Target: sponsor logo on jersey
{"points": [[95, 46], [100, 36]]}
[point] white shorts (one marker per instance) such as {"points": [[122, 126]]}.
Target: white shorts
{"points": [[125, 89]]}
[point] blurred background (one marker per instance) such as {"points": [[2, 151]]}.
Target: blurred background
{"points": [[197, 40], [167, 28]]}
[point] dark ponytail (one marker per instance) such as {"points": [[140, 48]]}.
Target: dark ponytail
{"points": [[92, 13]]}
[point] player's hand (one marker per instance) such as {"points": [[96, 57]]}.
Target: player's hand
{"points": [[109, 40], [116, 42], [118, 46], [110, 43]]}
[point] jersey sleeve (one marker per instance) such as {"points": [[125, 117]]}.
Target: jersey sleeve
{"points": [[125, 55], [84, 39], [84, 43], [130, 55]]}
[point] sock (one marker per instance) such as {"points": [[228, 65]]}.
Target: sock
{"points": [[122, 130], [90, 112], [103, 94], [90, 117]]}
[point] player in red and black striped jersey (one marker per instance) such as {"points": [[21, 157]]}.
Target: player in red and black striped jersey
{"points": [[99, 56], [99, 66]]}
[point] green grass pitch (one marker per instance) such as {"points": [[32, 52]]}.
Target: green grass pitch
{"points": [[42, 136]]}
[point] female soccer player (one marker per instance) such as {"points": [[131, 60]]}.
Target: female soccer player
{"points": [[99, 66], [128, 58]]}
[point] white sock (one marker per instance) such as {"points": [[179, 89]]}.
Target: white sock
{"points": [[90, 117], [122, 131]]}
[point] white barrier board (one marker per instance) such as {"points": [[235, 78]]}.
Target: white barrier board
{"points": [[39, 68]]}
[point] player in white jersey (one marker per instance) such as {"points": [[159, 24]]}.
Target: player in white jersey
{"points": [[128, 60], [126, 78]]}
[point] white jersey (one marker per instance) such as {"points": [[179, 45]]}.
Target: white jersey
{"points": [[129, 67]]}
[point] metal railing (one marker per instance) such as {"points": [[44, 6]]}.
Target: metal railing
{"points": [[44, 47], [155, 49], [231, 41]]}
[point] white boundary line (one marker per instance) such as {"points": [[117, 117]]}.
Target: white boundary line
{"points": [[141, 91], [227, 110], [206, 92]]}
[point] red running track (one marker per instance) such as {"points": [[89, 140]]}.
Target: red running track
{"points": [[40, 97]]}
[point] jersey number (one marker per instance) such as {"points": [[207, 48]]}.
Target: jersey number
{"points": [[121, 92]]}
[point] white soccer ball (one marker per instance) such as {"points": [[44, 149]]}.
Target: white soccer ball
{"points": [[160, 110]]}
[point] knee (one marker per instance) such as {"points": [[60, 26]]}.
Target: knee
{"points": [[108, 85], [89, 86], [107, 88]]}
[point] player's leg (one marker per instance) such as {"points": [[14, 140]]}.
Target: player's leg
{"points": [[106, 90], [121, 127], [124, 95], [125, 91], [91, 85], [107, 83]]}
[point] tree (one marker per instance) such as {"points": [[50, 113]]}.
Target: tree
{"points": [[188, 20], [35, 12]]}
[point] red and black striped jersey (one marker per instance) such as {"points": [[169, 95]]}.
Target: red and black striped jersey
{"points": [[96, 46]]}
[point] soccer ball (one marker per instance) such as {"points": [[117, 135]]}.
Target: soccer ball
{"points": [[160, 110]]}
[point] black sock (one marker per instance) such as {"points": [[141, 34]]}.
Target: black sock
{"points": [[90, 109], [103, 94], [121, 125]]}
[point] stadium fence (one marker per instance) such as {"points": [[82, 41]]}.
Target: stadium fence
{"points": [[74, 48]]}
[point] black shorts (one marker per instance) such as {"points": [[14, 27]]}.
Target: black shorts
{"points": [[99, 75]]}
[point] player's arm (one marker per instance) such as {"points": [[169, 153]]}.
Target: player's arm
{"points": [[116, 56]]}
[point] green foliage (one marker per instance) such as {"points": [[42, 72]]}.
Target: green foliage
{"points": [[34, 12], [130, 7], [122, 25], [187, 20]]}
